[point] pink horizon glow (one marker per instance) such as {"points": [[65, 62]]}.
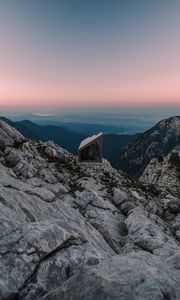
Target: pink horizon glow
{"points": [[141, 92], [138, 82], [140, 72]]}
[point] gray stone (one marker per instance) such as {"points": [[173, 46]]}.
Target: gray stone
{"points": [[9, 136], [136, 276], [62, 225]]}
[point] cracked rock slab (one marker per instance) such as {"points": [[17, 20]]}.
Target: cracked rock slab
{"points": [[137, 276]]}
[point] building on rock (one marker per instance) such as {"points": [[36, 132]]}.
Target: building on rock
{"points": [[90, 149]]}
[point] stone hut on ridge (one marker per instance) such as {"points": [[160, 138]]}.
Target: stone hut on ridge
{"points": [[90, 149]]}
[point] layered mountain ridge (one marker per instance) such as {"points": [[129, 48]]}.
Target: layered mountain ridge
{"points": [[67, 138], [82, 231], [159, 141]]}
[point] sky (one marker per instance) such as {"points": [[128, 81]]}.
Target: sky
{"points": [[74, 53]]}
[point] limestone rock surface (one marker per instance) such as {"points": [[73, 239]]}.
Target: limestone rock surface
{"points": [[82, 231]]}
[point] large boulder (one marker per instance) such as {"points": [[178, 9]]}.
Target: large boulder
{"points": [[9, 136], [137, 276]]}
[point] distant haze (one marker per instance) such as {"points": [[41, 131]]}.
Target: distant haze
{"points": [[110, 120], [89, 52]]}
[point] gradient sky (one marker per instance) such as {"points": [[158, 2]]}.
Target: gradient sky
{"points": [[89, 52]]}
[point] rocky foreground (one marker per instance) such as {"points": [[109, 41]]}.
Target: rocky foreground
{"points": [[82, 231]]}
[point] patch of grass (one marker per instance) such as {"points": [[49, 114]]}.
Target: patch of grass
{"points": [[19, 144], [75, 186], [109, 180], [147, 188]]}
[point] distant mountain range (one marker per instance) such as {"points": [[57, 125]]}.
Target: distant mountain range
{"points": [[109, 122], [67, 138], [77, 126], [156, 142], [129, 153]]}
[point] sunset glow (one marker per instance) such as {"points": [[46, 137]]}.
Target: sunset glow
{"points": [[54, 53]]}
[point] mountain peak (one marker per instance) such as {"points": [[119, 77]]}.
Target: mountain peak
{"points": [[155, 142], [172, 122]]}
